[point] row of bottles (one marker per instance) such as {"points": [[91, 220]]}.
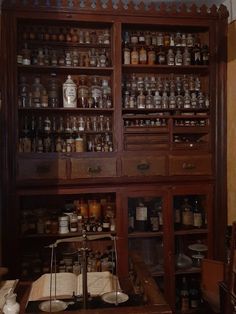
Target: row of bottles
{"points": [[177, 84], [151, 56], [159, 92], [146, 123], [188, 294], [145, 215], [158, 38], [79, 35], [94, 215], [70, 58], [189, 213], [191, 122], [89, 92], [37, 264], [157, 101]]}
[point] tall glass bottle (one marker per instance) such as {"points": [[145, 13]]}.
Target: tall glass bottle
{"points": [[23, 93], [141, 216], [53, 92], [69, 93], [187, 213], [83, 93]]}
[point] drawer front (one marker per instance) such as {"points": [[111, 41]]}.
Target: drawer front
{"points": [[144, 166], [93, 167], [192, 165], [146, 141], [41, 169]]}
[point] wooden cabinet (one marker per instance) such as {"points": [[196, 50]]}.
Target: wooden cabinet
{"points": [[141, 131]]}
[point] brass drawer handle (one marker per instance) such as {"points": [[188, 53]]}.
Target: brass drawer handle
{"points": [[94, 170], [143, 166], [188, 166], [43, 168]]}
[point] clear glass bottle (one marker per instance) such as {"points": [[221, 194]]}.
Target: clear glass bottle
{"points": [[53, 91], [134, 56], [83, 91], [23, 93], [149, 100], [165, 101], [178, 58], [26, 55], [170, 57], [172, 101], [194, 101], [186, 57], [161, 57], [75, 58], [142, 55], [141, 100], [96, 92], [157, 100], [37, 89], [160, 39], [68, 59], [106, 94], [127, 55], [187, 100]]}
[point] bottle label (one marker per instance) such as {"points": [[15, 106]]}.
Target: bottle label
{"points": [[141, 213], [69, 96], [187, 218], [197, 220], [126, 57]]}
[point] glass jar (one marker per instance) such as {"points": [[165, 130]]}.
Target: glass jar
{"points": [[37, 89], [83, 93], [69, 93]]}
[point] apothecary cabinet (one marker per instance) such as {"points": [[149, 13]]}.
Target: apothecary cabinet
{"points": [[120, 106]]}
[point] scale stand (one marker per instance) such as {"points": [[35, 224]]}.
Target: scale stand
{"points": [[113, 297]]}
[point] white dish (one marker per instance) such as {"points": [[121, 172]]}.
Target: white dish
{"points": [[53, 306], [115, 297]]}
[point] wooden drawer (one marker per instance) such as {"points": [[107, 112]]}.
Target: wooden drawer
{"points": [[146, 141], [93, 167], [191, 165], [144, 166], [41, 169]]}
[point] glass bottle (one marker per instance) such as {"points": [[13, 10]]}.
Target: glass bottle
{"points": [[149, 100], [186, 57], [106, 37], [53, 92], [184, 295], [178, 58], [194, 101], [201, 100], [187, 100], [96, 92], [127, 54], [161, 57], [106, 94], [37, 88], [178, 40], [196, 55], [83, 91], [197, 214], [179, 101], [205, 55], [23, 93], [170, 57], [75, 58], [172, 101], [141, 100], [142, 55], [141, 216], [160, 39], [92, 58], [44, 98], [69, 93], [165, 101], [157, 100], [26, 55], [68, 59], [134, 56], [189, 40], [186, 213]]}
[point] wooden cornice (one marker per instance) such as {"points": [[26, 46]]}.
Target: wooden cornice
{"points": [[118, 8]]}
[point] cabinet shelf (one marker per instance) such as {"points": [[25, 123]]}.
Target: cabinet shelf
{"points": [[175, 112], [191, 231], [145, 234], [158, 68], [192, 270], [57, 235], [66, 44], [191, 129], [66, 69], [145, 129], [60, 109]]}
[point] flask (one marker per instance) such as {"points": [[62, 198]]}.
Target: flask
{"points": [[141, 216], [69, 93], [11, 306]]}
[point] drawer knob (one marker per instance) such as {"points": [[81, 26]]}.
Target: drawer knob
{"points": [[43, 168], [142, 166], [188, 166], [94, 170]]}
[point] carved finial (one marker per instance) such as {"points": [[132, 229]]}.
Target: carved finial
{"points": [[223, 12]]}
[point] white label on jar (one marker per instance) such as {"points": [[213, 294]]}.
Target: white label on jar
{"points": [[69, 96], [141, 213]]}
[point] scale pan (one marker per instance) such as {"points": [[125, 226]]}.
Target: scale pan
{"points": [[56, 306], [115, 297], [198, 247]]}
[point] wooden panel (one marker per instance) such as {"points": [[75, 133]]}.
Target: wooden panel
{"points": [[192, 165], [146, 141], [144, 165], [41, 169], [93, 167]]}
